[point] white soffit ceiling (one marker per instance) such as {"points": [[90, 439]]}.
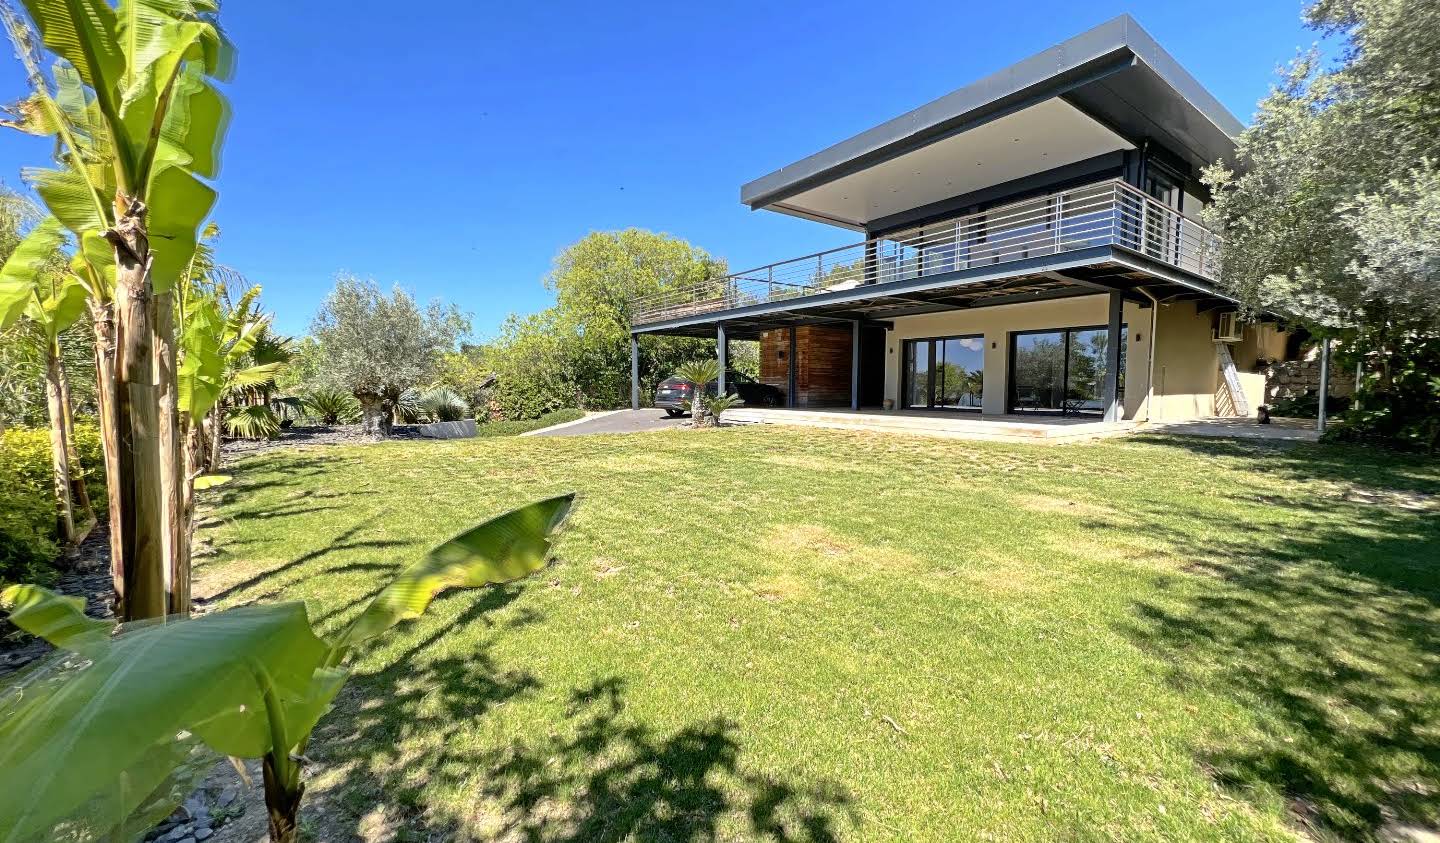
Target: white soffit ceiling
{"points": [[1050, 134]]}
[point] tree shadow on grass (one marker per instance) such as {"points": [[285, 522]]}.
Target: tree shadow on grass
{"points": [[1327, 631], [344, 540], [616, 779], [1329, 462], [275, 471], [405, 745]]}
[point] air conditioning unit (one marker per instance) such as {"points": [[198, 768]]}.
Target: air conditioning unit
{"points": [[1230, 329]]}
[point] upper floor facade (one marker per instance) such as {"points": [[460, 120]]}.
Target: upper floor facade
{"points": [[1074, 170]]}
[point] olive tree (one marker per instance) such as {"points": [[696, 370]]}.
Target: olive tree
{"points": [[1327, 209], [1330, 210], [376, 346]]}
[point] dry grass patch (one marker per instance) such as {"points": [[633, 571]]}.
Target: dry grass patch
{"points": [[783, 587], [1080, 509]]}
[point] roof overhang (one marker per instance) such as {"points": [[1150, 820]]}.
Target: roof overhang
{"points": [[1107, 89]]}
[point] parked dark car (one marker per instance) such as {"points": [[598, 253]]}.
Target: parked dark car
{"points": [[674, 393]]}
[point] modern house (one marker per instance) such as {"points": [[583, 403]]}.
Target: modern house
{"points": [[1026, 246]]}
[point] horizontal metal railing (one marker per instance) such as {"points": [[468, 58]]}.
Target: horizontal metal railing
{"points": [[1109, 213]]}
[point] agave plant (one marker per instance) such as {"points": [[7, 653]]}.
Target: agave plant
{"points": [[91, 745], [699, 373], [332, 406], [443, 404]]}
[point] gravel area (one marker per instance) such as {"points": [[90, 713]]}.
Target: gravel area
{"points": [[86, 574], [345, 434]]}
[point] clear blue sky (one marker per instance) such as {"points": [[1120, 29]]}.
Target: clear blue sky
{"points": [[456, 153]]}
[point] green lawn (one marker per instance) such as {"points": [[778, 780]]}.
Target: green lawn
{"points": [[781, 634]]}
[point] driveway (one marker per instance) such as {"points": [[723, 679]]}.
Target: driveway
{"points": [[623, 421]]}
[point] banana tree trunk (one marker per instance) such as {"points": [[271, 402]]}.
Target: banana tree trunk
{"points": [[141, 522], [81, 495], [172, 469], [282, 801], [212, 453], [59, 444], [102, 318]]}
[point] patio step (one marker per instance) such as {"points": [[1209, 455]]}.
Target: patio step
{"points": [[1003, 429]]}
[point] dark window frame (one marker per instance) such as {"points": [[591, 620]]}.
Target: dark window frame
{"points": [[907, 344], [1010, 395]]}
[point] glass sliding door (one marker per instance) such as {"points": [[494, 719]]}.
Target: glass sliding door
{"points": [[959, 373], [917, 374], [1062, 372], [944, 373], [1085, 379], [1037, 372]]}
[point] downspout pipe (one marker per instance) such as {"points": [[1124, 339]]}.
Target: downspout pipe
{"points": [[1150, 353]]}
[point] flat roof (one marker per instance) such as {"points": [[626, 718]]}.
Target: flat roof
{"points": [[1115, 74]]}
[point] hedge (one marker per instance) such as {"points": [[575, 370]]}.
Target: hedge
{"points": [[28, 548], [515, 428]]}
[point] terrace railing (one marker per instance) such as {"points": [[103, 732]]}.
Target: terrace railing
{"points": [[1109, 213]]}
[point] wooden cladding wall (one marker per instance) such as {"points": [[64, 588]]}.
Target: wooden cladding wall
{"points": [[822, 373]]}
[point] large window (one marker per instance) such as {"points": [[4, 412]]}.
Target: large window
{"points": [[944, 373], [1061, 372]]}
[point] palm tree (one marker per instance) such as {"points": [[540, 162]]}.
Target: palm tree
{"points": [[699, 373], [137, 125]]}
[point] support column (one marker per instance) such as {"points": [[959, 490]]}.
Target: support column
{"points": [[634, 372], [1114, 409], [1324, 382], [855, 365], [790, 390], [722, 351]]}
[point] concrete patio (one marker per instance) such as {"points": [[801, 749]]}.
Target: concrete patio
{"points": [[1036, 429], [951, 425]]}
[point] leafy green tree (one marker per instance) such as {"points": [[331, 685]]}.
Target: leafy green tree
{"points": [[467, 372], [577, 353], [377, 346], [1330, 210]]}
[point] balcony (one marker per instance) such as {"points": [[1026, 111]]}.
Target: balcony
{"points": [[1109, 213]]}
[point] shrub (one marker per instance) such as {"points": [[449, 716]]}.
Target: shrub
{"points": [[1402, 410], [331, 406], [442, 404], [27, 498], [252, 421], [515, 428]]}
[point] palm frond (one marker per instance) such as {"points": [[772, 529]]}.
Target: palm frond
{"points": [[252, 421], [699, 372]]}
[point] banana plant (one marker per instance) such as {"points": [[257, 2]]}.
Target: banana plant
{"points": [[138, 126], [35, 284], [91, 741]]}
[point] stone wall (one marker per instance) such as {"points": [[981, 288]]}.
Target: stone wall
{"points": [[1298, 378]]}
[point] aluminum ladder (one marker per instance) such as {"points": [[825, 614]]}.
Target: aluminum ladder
{"points": [[1232, 379]]}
